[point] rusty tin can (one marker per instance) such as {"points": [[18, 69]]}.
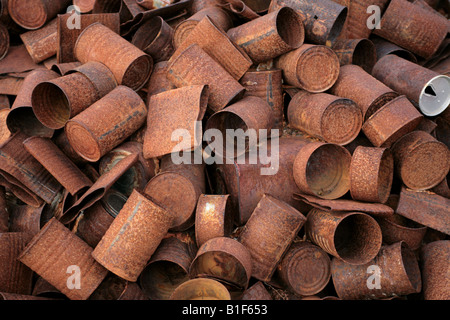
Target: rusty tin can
{"points": [[55, 253], [107, 123], [324, 116], [201, 289], [42, 43], [268, 234], [323, 19], [4, 41], [358, 85], [131, 66], [371, 174], [269, 36], [396, 267], [5, 134], [391, 122], [323, 170], [314, 68], [353, 237], [158, 81], [428, 89], [116, 288], [422, 162], [256, 292], [195, 67], [305, 269], [434, 265], [133, 237], [166, 270], [384, 47], [423, 33], [360, 52], [223, 259]]}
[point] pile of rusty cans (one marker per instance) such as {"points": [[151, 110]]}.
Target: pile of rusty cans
{"points": [[224, 150]]}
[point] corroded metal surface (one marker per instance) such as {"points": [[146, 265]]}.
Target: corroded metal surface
{"points": [[359, 52], [256, 292], [201, 289], [434, 265], [41, 44]]}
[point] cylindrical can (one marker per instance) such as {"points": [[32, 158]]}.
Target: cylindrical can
{"points": [[155, 37], [63, 144], [116, 288], [324, 116], [371, 174], [323, 19], [427, 88], [166, 270], [422, 31], [58, 164], [270, 35], [41, 44], [64, 68], [393, 272], [268, 234], [422, 162], [106, 124], [267, 85], [213, 217], [391, 122], [305, 269], [34, 14], [64, 260], [15, 277], [133, 237], [353, 237], [314, 68], [256, 292], [85, 6], [4, 41], [384, 47], [360, 52], [201, 289], [434, 265], [323, 170], [158, 81], [131, 66], [21, 116], [356, 84], [252, 115], [223, 259]]}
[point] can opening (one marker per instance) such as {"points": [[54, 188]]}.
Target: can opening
{"points": [[337, 27], [364, 55], [435, 96], [290, 27]]}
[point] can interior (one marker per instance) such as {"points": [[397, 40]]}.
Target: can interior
{"points": [[290, 27], [435, 96]]}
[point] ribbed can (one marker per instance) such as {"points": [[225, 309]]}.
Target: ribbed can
{"points": [[107, 123], [422, 162], [131, 66], [268, 234], [133, 237], [305, 269], [323, 170], [358, 85], [434, 265], [360, 52], [201, 289], [395, 266], [391, 122], [15, 277], [324, 116], [427, 88], [269, 36], [314, 68], [371, 174], [353, 237], [195, 67], [423, 33], [267, 85], [55, 254], [323, 20]]}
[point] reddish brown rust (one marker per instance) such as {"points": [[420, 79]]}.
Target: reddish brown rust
{"points": [[195, 67], [223, 259], [131, 66], [314, 68], [4, 212], [353, 237], [267, 85], [63, 144], [239, 8], [133, 237], [41, 44], [324, 116], [201, 289], [356, 84], [116, 288], [426, 208], [158, 81], [166, 270], [422, 162], [268, 233], [4, 41], [434, 265], [107, 123], [399, 274], [384, 47], [178, 109], [26, 219], [85, 6], [44, 289], [305, 269], [198, 5], [101, 77], [360, 52], [256, 292], [412, 36], [371, 174], [391, 122], [64, 68], [270, 35], [5, 134]]}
